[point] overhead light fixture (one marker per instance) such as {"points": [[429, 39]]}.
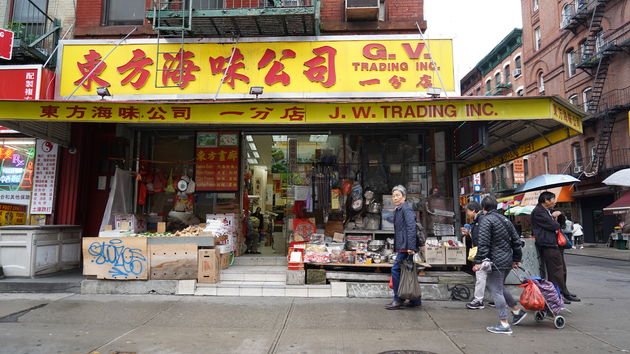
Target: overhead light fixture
{"points": [[249, 155], [256, 90], [249, 138], [102, 91], [277, 138], [256, 154], [252, 161], [18, 142], [318, 138], [252, 146]]}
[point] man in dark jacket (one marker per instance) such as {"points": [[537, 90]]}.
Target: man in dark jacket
{"points": [[404, 242], [545, 230], [498, 243], [474, 212]]}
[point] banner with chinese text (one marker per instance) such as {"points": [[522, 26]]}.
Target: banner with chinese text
{"points": [[45, 173], [12, 214], [217, 162], [333, 66], [299, 113]]}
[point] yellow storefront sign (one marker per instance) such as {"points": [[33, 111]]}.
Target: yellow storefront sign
{"points": [[292, 113], [341, 66]]}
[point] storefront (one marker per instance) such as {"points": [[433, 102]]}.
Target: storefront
{"points": [[318, 153]]}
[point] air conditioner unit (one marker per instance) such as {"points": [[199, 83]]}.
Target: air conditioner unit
{"points": [[362, 10], [577, 169], [517, 72]]}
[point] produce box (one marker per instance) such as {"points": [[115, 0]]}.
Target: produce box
{"points": [[131, 222], [436, 255], [225, 261], [208, 271], [455, 255]]}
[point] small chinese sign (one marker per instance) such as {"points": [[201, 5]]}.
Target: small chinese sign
{"points": [[12, 214], [217, 162], [20, 82], [519, 170], [340, 66], [6, 44], [45, 172]]}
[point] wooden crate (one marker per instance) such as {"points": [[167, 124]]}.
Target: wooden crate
{"points": [[225, 261], [209, 264], [173, 262], [436, 255]]}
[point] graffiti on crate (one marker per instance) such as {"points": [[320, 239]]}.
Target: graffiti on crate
{"points": [[125, 261]]}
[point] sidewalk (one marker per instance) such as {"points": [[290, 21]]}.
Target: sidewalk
{"points": [[601, 251]]}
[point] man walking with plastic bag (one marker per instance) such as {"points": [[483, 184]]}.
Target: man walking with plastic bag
{"points": [[499, 243], [404, 244]]}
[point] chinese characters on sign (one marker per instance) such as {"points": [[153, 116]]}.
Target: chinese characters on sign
{"points": [[289, 68], [44, 177], [519, 170], [19, 83], [217, 162]]}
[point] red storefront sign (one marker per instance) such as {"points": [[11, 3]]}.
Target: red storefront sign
{"points": [[217, 162], [26, 82], [6, 44]]}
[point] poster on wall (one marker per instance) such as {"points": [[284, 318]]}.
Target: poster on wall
{"points": [[45, 171], [12, 214], [16, 171], [217, 161]]}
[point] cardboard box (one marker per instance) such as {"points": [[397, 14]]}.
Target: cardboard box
{"points": [[455, 255], [436, 255], [225, 261], [131, 222], [209, 264]]}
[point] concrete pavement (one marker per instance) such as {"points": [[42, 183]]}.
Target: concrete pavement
{"points": [[601, 251]]}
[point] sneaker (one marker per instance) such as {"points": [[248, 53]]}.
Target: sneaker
{"points": [[475, 305], [500, 329], [491, 304], [518, 318]]}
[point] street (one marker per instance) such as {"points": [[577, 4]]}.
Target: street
{"points": [[68, 323]]}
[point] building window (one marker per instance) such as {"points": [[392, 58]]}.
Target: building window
{"points": [[478, 91], [574, 100], [123, 12], [497, 78], [567, 12], [599, 41], [583, 54], [29, 21], [506, 73], [541, 82], [586, 98], [546, 162], [537, 39], [488, 86], [535, 7], [519, 92], [526, 168], [571, 62], [577, 156], [591, 150]]}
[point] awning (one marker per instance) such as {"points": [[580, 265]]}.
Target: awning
{"points": [[563, 195], [620, 206]]}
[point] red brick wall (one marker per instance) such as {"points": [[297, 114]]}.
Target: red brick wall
{"points": [[89, 12], [332, 10], [404, 9]]}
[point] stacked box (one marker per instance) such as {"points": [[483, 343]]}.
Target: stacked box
{"points": [[456, 255], [225, 261], [436, 255], [209, 265]]}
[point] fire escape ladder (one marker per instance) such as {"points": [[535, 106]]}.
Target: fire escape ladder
{"points": [[608, 121], [598, 84], [172, 19]]}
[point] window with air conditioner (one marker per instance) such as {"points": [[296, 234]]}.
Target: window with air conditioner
{"points": [[123, 12], [567, 12], [362, 10]]}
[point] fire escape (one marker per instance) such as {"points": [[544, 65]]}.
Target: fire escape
{"points": [[36, 34], [597, 51]]}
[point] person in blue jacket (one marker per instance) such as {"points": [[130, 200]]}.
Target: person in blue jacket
{"points": [[404, 243]]}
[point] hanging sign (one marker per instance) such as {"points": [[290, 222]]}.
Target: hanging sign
{"points": [[45, 172], [6, 44], [519, 170], [217, 161]]}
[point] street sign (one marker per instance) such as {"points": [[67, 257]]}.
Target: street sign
{"points": [[477, 187], [6, 44]]}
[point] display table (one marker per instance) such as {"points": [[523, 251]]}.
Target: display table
{"points": [[27, 251]]}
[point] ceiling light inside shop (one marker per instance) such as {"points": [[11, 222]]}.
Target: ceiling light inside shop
{"points": [[256, 154], [249, 138], [18, 142], [252, 161], [252, 146], [318, 138], [249, 155], [277, 138]]}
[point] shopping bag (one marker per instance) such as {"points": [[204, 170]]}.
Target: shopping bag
{"points": [[391, 282], [531, 297], [409, 288], [562, 240], [472, 253]]}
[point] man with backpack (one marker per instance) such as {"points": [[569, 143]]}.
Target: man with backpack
{"points": [[499, 248]]}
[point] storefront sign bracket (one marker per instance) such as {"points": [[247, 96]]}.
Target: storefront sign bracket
{"points": [[89, 75], [226, 69], [432, 61]]}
